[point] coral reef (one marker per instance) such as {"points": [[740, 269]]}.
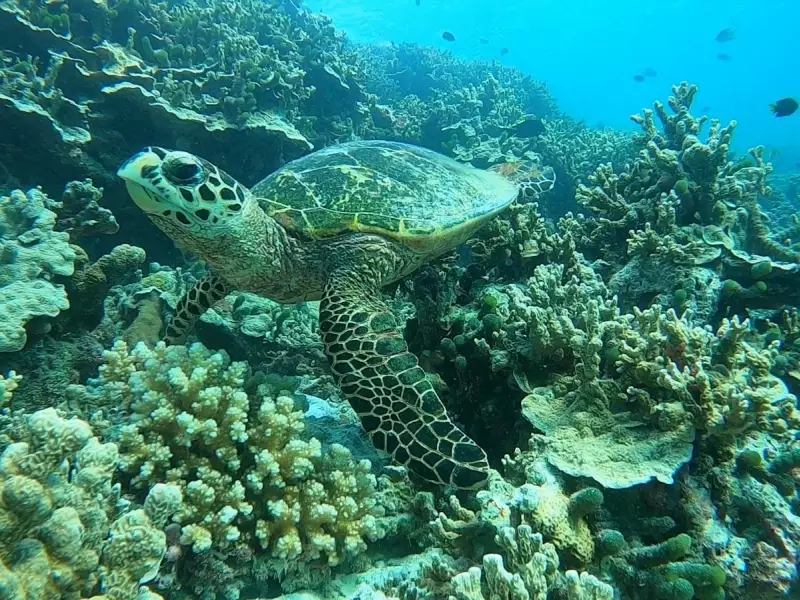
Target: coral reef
{"points": [[246, 470], [64, 527], [627, 351]]}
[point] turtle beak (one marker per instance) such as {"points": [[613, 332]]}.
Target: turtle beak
{"points": [[137, 172], [139, 165]]}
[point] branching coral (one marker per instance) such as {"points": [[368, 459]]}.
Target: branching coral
{"points": [[242, 461], [532, 573], [682, 195], [578, 149]]}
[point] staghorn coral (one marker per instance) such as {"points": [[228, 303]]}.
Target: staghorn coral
{"points": [[245, 468], [683, 200]]}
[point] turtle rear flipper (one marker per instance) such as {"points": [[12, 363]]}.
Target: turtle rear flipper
{"points": [[203, 295], [388, 389]]}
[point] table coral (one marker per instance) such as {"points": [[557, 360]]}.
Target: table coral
{"points": [[248, 473]]}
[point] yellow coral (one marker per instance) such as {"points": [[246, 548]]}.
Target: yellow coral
{"points": [[56, 539], [247, 476]]}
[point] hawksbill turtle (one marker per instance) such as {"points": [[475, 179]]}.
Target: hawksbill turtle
{"points": [[336, 226]]}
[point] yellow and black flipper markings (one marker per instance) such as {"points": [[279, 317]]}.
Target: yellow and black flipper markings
{"points": [[388, 389], [203, 295]]}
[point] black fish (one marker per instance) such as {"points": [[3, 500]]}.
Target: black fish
{"points": [[726, 35], [484, 41], [638, 78], [527, 127], [503, 51], [418, 2], [446, 35], [649, 72], [705, 109], [784, 107], [723, 57]]}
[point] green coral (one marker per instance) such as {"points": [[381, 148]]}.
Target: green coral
{"points": [[662, 571], [31, 255]]}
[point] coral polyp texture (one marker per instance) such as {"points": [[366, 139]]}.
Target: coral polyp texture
{"points": [[65, 531], [247, 470], [33, 253]]}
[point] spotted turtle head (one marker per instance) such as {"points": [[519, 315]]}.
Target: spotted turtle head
{"points": [[182, 193]]}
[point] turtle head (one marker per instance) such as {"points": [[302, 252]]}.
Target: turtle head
{"points": [[184, 194]]}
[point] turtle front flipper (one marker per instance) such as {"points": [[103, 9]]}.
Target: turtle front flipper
{"points": [[388, 389], [204, 294]]}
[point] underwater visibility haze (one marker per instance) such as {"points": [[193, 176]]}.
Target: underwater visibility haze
{"points": [[357, 300]]}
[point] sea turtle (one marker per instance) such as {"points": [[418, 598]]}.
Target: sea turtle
{"points": [[335, 226]]}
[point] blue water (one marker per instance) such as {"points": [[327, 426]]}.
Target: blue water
{"points": [[589, 55]]}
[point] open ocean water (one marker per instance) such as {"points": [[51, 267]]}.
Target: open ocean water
{"points": [[589, 52]]}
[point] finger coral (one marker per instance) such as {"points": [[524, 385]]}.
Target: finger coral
{"points": [[246, 469]]}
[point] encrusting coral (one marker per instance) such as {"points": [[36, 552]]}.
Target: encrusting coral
{"points": [[246, 470], [31, 254], [64, 530]]}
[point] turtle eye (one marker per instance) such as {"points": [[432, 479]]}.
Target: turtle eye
{"points": [[183, 170]]}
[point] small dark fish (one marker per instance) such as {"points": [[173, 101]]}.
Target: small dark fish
{"points": [[638, 78], [723, 57], [503, 51], [705, 109], [784, 107], [446, 35], [418, 2], [527, 127], [726, 35], [484, 41], [649, 72]]}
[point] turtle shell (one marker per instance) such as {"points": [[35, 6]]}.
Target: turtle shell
{"points": [[416, 196]]}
